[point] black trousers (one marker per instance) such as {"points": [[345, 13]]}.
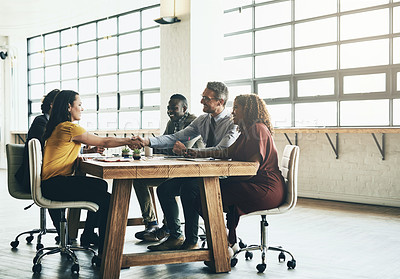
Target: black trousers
{"points": [[82, 188]]}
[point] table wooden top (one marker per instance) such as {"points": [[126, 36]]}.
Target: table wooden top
{"points": [[158, 167]]}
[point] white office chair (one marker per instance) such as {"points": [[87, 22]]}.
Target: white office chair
{"points": [[289, 168], [35, 167], [15, 155]]}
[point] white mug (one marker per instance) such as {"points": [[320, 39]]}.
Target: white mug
{"points": [[148, 151]]}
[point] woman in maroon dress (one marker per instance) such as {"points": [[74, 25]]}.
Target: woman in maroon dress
{"points": [[265, 190]]}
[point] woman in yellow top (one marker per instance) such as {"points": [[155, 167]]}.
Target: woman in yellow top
{"points": [[63, 143]]}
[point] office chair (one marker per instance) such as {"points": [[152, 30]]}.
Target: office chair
{"points": [[35, 168], [15, 155], [289, 168]]}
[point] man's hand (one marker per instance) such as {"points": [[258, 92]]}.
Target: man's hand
{"points": [[192, 153], [93, 149], [136, 143], [179, 148]]}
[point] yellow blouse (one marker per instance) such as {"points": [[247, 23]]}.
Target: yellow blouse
{"points": [[60, 152]]}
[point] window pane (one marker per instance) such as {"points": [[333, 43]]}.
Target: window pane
{"points": [[151, 38], [108, 121], [237, 45], [69, 54], [152, 99], [35, 44], [237, 68], [68, 36], [130, 101], [396, 112], [353, 5], [280, 115], [129, 22], [87, 32], [364, 113], [396, 19], [316, 59], [129, 42], [396, 48], [52, 73], [151, 119], [129, 81], [148, 17], [107, 65], [273, 14], [107, 84], [87, 50], [151, 79], [236, 91], [107, 46], [52, 85], [316, 32], [365, 54], [273, 64], [36, 91], [237, 21], [52, 40], [151, 58], [36, 60], [273, 39], [108, 102], [88, 121], [364, 24], [229, 4], [316, 87], [107, 27], [315, 114], [87, 68], [130, 61], [36, 107], [364, 83], [89, 103], [36, 76], [52, 57], [280, 89], [129, 120], [303, 8], [69, 71], [87, 86], [69, 85]]}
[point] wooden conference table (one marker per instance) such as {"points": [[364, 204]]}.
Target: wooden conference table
{"points": [[124, 174]]}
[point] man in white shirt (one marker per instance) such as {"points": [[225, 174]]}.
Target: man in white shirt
{"points": [[218, 131]]}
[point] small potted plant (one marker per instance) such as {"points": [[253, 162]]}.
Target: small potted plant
{"points": [[125, 152], [136, 154]]}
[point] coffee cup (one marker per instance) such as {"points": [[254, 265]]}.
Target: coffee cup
{"points": [[148, 151]]}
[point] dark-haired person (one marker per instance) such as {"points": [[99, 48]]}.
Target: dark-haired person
{"points": [[180, 118], [36, 131], [63, 143], [265, 190], [218, 131]]}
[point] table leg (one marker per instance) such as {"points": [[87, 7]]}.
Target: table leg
{"points": [[214, 222], [116, 227], [74, 215]]}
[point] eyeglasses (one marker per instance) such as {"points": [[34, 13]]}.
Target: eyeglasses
{"points": [[207, 99]]}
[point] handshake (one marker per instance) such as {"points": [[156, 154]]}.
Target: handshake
{"points": [[137, 142]]}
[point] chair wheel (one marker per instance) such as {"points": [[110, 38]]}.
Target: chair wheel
{"points": [[75, 268], [37, 268], [14, 244], [29, 239], [242, 244], [234, 261], [281, 257], [57, 239], [39, 246], [291, 264], [96, 261], [248, 255], [261, 267]]}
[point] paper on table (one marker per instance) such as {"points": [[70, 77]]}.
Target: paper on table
{"points": [[199, 159], [112, 159]]}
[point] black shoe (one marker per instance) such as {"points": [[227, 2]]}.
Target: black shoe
{"points": [[156, 235], [88, 239], [149, 229]]}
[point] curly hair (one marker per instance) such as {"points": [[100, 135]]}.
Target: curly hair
{"points": [[255, 111]]}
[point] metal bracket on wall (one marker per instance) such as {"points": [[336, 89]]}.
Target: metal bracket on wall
{"points": [[288, 139], [335, 148], [381, 148]]}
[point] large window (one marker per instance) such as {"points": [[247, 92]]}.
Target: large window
{"points": [[113, 63], [316, 63]]}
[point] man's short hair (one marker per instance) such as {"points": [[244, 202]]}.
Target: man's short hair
{"points": [[220, 90], [181, 98]]}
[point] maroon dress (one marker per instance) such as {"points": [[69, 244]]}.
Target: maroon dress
{"points": [[265, 190]]}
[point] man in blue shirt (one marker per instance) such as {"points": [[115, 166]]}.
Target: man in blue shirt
{"points": [[218, 131]]}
